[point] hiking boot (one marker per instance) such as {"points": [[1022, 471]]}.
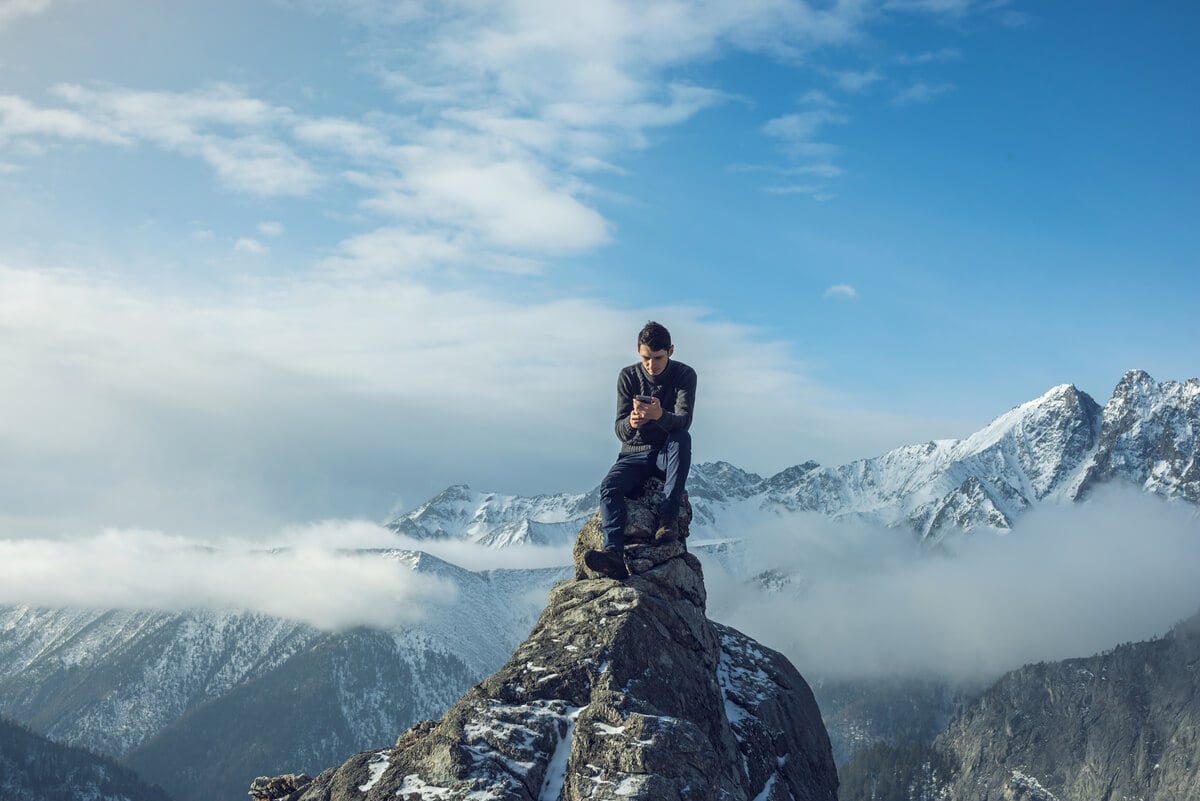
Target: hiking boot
{"points": [[608, 562], [668, 530]]}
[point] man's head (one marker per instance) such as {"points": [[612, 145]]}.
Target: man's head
{"points": [[654, 347]]}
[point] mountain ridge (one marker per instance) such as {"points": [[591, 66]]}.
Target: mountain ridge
{"points": [[1059, 446]]}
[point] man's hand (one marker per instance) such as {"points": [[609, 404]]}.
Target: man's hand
{"points": [[644, 412]]}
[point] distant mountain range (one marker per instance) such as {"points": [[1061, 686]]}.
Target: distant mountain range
{"points": [[1059, 446], [203, 701]]}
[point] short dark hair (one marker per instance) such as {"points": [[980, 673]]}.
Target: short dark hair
{"points": [[654, 336]]}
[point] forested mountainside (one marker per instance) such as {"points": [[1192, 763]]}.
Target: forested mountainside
{"points": [[33, 768]]}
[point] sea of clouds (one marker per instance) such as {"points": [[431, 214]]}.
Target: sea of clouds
{"points": [[859, 601]]}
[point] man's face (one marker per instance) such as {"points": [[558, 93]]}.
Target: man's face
{"points": [[654, 361]]}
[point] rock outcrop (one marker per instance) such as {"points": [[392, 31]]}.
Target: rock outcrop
{"points": [[623, 690]]}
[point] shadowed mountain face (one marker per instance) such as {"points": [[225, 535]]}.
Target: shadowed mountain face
{"points": [[624, 690], [33, 768], [1124, 724]]}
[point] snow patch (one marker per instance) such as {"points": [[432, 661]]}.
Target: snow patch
{"points": [[556, 771], [378, 766]]}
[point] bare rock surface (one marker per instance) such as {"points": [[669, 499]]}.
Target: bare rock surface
{"points": [[623, 691]]}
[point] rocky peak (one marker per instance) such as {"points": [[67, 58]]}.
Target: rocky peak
{"points": [[1150, 436], [622, 691], [721, 481]]}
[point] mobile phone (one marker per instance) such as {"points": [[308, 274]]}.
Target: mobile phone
{"points": [[644, 398]]}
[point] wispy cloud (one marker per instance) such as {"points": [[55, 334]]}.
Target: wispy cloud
{"points": [[921, 92], [250, 245], [13, 9], [857, 81], [815, 97], [842, 292], [19, 119], [799, 131], [931, 56], [956, 8], [270, 228], [319, 583], [230, 131], [865, 602], [822, 170]]}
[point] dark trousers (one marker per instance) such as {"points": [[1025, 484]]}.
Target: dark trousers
{"points": [[670, 462]]}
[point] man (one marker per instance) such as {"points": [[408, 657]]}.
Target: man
{"points": [[655, 399]]}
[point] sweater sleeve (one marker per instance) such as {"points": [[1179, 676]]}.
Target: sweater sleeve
{"points": [[625, 393], [685, 403]]}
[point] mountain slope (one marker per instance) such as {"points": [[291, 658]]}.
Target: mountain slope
{"points": [[33, 768], [1123, 724]]}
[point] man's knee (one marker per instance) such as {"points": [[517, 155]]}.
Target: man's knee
{"points": [[682, 438]]}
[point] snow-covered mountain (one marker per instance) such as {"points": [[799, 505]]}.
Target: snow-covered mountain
{"points": [[203, 699], [209, 699], [488, 518], [1058, 446]]}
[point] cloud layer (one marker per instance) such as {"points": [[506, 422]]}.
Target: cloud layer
{"points": [[312, 582], [1068, 581]]}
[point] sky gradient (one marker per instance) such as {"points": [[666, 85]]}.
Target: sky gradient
{"points": [[265, 263]]}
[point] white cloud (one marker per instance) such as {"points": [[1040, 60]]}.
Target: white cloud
{"points": [[13, 9], [857, 81], [792, 189], [231, 132], [798, 131], [921, 92], [802, 125], [816, 97], [20, 118], [258, 167], [270, 228], [930, 56], [249, 245], [318, 583], [843, 291], [953, 8], [822, 170], [284, 400], [867, 603]]}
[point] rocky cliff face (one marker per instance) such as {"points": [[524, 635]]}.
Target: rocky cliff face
{"points": [[1122, 725], [623, 690], [1151, 436]]}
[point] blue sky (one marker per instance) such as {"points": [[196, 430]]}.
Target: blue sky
{"points": [[268, 262]]}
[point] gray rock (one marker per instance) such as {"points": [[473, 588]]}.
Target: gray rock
{"points": [[623, 691], [266, 788]]}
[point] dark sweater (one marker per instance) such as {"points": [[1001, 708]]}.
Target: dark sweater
{"points": [[675, 389]]}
